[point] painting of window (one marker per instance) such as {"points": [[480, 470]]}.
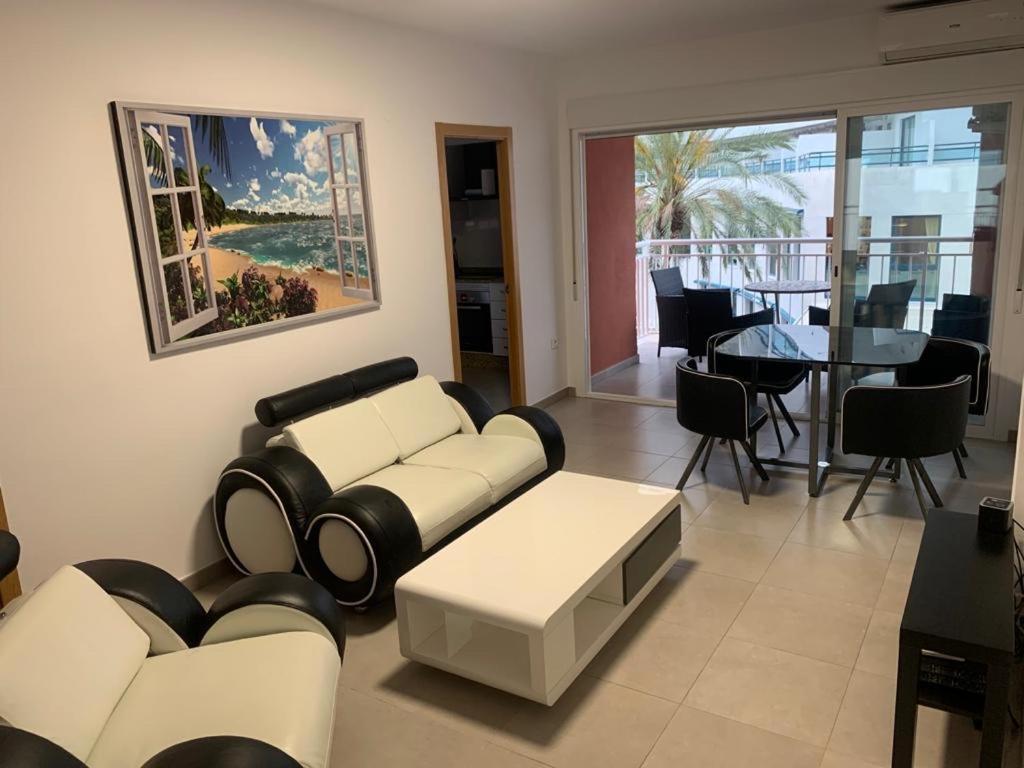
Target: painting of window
{"points": [[246, 221]]}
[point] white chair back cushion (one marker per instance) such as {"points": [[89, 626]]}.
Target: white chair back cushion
{"points": [[345, 443], [67, 655], [417, 413]]}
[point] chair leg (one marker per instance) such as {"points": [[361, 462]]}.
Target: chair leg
{"points": [[917, 489], [894, 466], [963, 450], [959, 465], [707, 455], [739, 472], [863, 487], [786, 414], [659, 350], [755, 462], [927, 480], [692, 463], [775, 423]]}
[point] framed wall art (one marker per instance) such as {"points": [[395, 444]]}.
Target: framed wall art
{"points": [[245, 221]]}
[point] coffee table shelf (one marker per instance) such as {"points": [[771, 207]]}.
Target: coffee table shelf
{"points": [[524, 601]]}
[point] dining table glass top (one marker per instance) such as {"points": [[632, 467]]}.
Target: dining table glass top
{"points": [[877, 347]]}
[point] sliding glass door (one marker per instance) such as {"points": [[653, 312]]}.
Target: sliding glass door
{"points": [[922, 196]]}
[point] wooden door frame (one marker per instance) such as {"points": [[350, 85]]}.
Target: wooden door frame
{"points": [[10, 587], [502, 136]]}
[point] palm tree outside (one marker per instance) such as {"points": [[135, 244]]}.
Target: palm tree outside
{"points": [[711, 184]]}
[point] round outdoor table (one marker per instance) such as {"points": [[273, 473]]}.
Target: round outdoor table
{"points": [[778, 287]]}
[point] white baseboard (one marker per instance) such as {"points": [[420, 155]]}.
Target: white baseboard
{"points": [[600, 376]]}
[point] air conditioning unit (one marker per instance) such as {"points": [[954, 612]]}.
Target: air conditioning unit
{"points": [[951, 29]]}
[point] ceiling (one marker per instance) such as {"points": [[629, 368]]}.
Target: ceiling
{"points": [[561, 27]]}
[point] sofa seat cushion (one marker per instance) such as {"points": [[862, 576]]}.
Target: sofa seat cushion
{"points": [[418, 414], [277, 688], [345, 443], [440, 500], [504, 462], [67, 654]]}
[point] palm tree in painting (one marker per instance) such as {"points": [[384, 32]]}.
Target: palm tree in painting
{"points": [[704, 184], [208, 128]]}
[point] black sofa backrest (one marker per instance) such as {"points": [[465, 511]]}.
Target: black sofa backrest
{"points": [[334, 390]]}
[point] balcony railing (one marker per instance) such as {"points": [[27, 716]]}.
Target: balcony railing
{"points": [[939, 264]]}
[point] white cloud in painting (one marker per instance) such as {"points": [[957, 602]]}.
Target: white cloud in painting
{"points": [[228, 184], [311, 149], [263, 142], [275, 174], [254, 185], [287, 128]]}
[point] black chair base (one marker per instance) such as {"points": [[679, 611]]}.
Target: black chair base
{"points": [[705, 446], [918, 476]]}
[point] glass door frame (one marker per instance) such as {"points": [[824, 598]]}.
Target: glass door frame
{"points": [[1008, 246]]}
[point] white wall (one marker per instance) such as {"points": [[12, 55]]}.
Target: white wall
{"points": [[784, 73], [107, 452]]}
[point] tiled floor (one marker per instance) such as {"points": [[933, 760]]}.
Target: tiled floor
{"points": [[771, 644]]}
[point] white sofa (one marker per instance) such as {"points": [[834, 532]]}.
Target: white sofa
{"points": [[114, 664], [373, 470]]}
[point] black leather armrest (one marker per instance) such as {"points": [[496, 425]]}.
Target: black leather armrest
{"points": [[359, 542], [10, 552], [222, 752], [162, 606], [547, 430], [478, 409], [21, 749], [288, 603], [289, 479]]}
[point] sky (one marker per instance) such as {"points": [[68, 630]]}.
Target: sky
{"points": [[277, 165]]}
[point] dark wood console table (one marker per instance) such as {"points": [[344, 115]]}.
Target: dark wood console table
{"points": [[960, 605]]}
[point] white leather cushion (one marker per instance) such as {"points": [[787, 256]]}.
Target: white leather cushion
{"points": [[345, 443], [66, 657], [440, 500], [279, 689], [504, 462], [417, 413]]}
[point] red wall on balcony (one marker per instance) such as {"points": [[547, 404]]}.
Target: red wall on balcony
{"points": [[611, 251]]}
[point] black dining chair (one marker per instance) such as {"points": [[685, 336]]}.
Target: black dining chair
{"points": [[886, 305], [668, 295], [944, 360], [774, 379], [963, 316], [907, 424], [709, 311], [717, 407]]}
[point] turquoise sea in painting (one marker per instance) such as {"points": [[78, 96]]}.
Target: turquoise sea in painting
{"points": [[295, 245]]}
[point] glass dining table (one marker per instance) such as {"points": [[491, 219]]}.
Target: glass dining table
{"points": [[817, 347]]}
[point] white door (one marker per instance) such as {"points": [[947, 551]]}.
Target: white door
{"points": [[350, 222], [176, 228]]}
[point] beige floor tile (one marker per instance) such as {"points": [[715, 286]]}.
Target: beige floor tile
{"points": [[880, 652], [872, 535], [819, 627], [702, 740], [664, 442], [836, 575], [594, 725], [727, 553], [705, 603], [781, 692], [893, 596], [374, 665], [836, 760], [864, 728], [755, 519], [370, 733], [656, 657], [629, 465]]}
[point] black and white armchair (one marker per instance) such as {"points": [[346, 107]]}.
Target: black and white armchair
{"points": [[115, 664], [372, 471]]}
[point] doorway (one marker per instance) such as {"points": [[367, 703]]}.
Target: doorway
{"points": [[475, 172]]}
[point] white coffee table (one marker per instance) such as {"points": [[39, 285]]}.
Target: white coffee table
{"points": [[527, 598]]}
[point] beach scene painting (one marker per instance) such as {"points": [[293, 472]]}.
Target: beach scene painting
{"points": [[246, 220]]}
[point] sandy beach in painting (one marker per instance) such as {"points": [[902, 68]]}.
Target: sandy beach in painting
{"points": [[225, 263]]}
